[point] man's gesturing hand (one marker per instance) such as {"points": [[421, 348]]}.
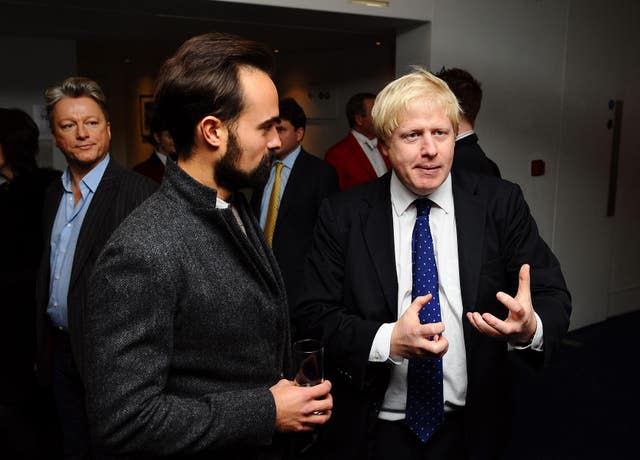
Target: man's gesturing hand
{"points": [[410, 339], [520, 324]]}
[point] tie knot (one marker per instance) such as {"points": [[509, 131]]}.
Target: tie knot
{"points": [[423, 206], [279, 165]]}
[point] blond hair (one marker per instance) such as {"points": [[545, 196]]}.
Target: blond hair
{"points": [[394, 99]]}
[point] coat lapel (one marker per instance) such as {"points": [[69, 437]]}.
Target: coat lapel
{"points": [[377, 226], [104, 198], [360, 158], [253, 247], [470, 223], [294, 184]]}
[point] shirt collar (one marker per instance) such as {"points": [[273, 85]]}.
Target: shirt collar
{"points": [[465, 134], [92, 179], [221, 204], [290, 159], [161, 156], [402, 197], [372, 143]]}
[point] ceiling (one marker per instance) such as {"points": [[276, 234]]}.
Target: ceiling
{"points": [[173, 20]]}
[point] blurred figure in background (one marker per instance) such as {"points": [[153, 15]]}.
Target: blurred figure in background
{"points": [[357, 158], [468, 154], [22, 186], [163, 148], [287, 206]]}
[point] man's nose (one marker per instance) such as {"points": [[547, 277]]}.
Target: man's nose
{"points": [[82, 131], [429, 146], [273, 142]]}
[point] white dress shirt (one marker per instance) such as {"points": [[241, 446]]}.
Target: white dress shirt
{"points": [[370, 148], [288, 163], [161, 156], [442, 223]]}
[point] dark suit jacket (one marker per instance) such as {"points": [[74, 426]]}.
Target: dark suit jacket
{"points": [[120, 191], [152, 167], [311, 181], [351, 289], [21, 204], [351, 163], [469, 156]]}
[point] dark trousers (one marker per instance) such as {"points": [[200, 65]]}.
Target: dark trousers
{"points": [[68, 393], [394, 440]]}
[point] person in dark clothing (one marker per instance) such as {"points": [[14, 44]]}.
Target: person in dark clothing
{"points": [[163, 149], [80, 212], [22, 186], [468, 154]]}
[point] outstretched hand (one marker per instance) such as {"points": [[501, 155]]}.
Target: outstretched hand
{"points": [[520, 324], [410, 339]]}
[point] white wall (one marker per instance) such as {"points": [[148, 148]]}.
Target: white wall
{"points": [[515, 49], [29, 67], [304, 75], [548, 69]]}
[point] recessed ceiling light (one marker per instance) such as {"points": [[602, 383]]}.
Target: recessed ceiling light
{"points": [[373, 3]]}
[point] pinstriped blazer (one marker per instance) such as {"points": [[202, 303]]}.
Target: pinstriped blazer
{"points": [[120, 192]]}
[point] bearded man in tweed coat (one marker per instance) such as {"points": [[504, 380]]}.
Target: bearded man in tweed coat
{"points": [[187, 330]]}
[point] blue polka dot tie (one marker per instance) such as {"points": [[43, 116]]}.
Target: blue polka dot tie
{"points": [[425, 402]]}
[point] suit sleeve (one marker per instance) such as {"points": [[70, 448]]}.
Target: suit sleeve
{"points": [[130, 319], [327, 310], [550, 297]]}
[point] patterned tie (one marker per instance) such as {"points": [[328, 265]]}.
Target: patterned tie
{"points": [[274, 204], [425, 401]]}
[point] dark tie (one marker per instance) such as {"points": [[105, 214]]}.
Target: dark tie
{"points": [[425, 402]]}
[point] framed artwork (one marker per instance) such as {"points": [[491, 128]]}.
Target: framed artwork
{"points": [[147, 106]]}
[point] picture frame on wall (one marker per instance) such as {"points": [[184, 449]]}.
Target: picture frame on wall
{"points": [[147, 107]]}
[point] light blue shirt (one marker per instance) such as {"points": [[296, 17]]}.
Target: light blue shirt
{"points": [[284, 174], [64, 237]]}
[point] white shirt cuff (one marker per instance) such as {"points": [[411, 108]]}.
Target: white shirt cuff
{"points": [[537, 342], [381, 346]]}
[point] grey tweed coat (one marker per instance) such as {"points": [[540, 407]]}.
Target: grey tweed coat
{"points": [[186, 329]]}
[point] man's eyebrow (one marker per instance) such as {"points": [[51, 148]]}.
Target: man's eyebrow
{"points": [[268, 123]]}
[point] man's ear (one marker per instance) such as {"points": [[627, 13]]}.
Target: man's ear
{"points": [[299, 134], [212, 131], [358, 119]]}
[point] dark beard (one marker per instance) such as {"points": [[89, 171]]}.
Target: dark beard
{"points": [[228, 176]]}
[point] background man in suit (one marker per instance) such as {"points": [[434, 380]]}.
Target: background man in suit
{"points": [[357, 158], [163, 148], [494, 285], [468, 154], [187, 297], [304, 181], [80, 212]]}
